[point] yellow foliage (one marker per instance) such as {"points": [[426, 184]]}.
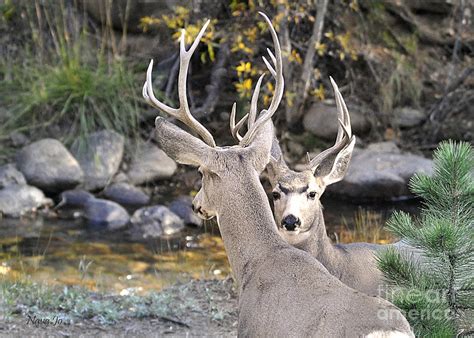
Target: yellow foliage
{"points": [[245, 68], [295, 57], [251, 34], [244, 87], [329, 35], [239, 45], [320, 48], [319, 92], [354, 5], [344, 41], [148, 21]]}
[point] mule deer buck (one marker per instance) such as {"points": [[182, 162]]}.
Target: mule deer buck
{"points": [[299, 213], [283, 291]]}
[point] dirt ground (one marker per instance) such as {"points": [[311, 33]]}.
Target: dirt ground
{"points": [[214, 314]]}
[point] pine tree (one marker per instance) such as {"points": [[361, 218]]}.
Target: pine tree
{"points": [[436, 291]]}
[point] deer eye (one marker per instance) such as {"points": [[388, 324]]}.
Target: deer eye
{"points": [[276, 195], [312, 195]]}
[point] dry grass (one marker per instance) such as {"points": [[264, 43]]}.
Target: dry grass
{"points": [[368, 227]]}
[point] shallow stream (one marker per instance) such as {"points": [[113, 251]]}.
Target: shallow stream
{"points": [[68, 252]]}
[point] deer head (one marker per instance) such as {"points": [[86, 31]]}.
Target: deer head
{"points": [[296, 194], [222, 168]]}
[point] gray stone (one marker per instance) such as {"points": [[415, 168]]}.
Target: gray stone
{"points": [[100, 156], [17, 200], [321, 120], [105, 213], [150, 163], [48, 165], [18, 139], [9, 175], [75, 198], [383, 147], [155, 221], [406, 117], [126, 194], [182, 206], [378, 175]]}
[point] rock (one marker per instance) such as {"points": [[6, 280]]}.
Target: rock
{"points": [[321, 120], [120, 177], [74, 198], [155, 221], [376, 174], [407, 117], [150, 163], [105, 213], [16, 200], [383, 147], [48, 165], [100, 156], [126, 194], [182, 206], [9, 175], [18, 139]]}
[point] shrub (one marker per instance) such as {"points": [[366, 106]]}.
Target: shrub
{"points": [[436, 291], [65, 77]]}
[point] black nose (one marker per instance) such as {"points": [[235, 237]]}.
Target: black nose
{"points": [[192, 207], [290, 222]]}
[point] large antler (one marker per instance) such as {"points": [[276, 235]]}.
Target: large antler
{"points": [[265, 114], [182, 113], [344, 137]]}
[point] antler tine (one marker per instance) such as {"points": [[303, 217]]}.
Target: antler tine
{"points": [[182, 113], [279, 86], [234, 128], [254, 102], [344, 133], [342, 112]]}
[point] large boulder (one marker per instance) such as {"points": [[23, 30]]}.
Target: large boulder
{"points": [[407, 117], [105, 213], [321, 120], [155, 221], [126, 194], [9, 175], [48, 165], [150, 163], [100, 155], [17, 200], [380, 172], [182, 206]]}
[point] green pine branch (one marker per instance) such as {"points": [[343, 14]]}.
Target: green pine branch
{"points": [[444, 233]]}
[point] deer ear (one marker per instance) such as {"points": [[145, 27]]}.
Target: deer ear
{"points": [[275, 168], [260, 146], [181, 146], [277, 164], [332, 169]]}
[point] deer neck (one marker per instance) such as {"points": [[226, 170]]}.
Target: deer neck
{"points": [[319, 245], [247, 227]]}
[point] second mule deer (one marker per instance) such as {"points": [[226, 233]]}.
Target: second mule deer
{"points": [[283, 291], [299, 213]]}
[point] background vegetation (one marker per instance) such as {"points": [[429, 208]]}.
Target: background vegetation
{"points": [[71, 67]]}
